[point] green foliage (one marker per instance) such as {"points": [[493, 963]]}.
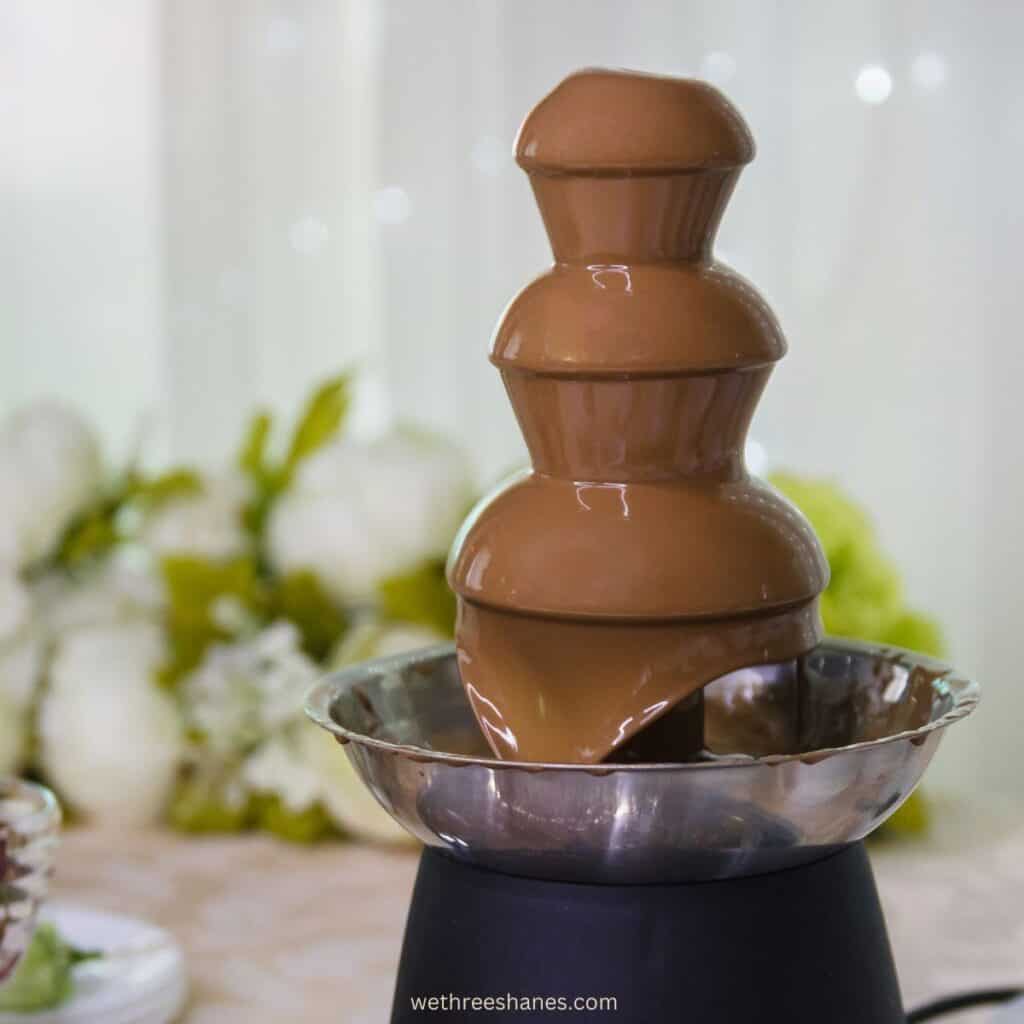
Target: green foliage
{"points": [[916, 632], [864, 599], [198, 806], [252, 459], [864, 595], [194, 587], [43, 979], [89, 538], [94, 533], [305, 826], [175, 483], [301, 599], [320, 422], [197, 587], [421, 596]]}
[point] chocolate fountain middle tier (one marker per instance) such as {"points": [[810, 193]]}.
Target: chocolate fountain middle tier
{"points": [[638, 560]]}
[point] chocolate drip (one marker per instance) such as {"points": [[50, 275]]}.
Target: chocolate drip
{"points": [[638, 560]]}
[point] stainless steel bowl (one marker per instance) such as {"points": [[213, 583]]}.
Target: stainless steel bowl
{"points": [[850, 730]]}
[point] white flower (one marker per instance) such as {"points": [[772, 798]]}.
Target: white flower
{"points": [[207, 524], [360, 512], [111, 740], [247, 699], [50, 469], [245, 691], [21, 643]]}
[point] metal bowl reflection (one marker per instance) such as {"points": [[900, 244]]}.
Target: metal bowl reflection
{"points": [[842, 737]]}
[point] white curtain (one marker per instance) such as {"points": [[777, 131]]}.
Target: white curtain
{"points": [[211, 205]]}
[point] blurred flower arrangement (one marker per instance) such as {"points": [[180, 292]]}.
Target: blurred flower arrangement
{"points": [[158, 632]]}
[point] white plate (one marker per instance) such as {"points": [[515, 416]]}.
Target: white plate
{"points": [[142, 979]]}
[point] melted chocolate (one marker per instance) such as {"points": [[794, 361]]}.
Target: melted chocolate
{"points": [[638, 560]]}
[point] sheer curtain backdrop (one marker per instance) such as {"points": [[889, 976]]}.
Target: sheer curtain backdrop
{"points": [[211, 205]]}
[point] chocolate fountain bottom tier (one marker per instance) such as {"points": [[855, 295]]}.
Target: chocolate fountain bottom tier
{"points": [[803, 946], [548, 689]]}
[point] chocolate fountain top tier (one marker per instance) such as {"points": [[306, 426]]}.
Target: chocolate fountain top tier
{"points": [[631, 168], [599, 121]]}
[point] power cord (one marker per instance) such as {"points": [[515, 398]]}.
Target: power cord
{"points": [[964, 1001]]}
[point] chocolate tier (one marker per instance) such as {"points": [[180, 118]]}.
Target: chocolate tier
{"points": [[638, 560]]}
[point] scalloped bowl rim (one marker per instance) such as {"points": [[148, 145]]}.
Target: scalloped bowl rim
{"points": [[320, 699]]}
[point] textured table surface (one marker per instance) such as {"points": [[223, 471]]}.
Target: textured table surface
{"points": [[275, 932]]}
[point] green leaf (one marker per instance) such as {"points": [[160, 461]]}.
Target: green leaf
{"points": [[175, 483], [89, 538], [254, 462], [42, 980], [421, 596], [319, 423], [193, 586], [95, 531], [300, 598], [252, 459]]}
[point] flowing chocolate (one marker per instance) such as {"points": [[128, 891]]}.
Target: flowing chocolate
{"points": [[638, 561]]}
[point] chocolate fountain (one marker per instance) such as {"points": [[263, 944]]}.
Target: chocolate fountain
{"points": [[641, 774]]}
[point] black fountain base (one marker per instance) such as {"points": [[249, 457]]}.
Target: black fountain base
{"points": [[803, 945]]}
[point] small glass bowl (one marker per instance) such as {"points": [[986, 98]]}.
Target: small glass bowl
{"points": [[29, 827]]}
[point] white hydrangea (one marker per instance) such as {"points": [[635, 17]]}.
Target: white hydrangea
{"points": [[207, 524], [111, 741], [50, 470], [244, 692], [360, 512]]}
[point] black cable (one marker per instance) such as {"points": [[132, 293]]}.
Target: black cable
{"points": [[950, 1004]]}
